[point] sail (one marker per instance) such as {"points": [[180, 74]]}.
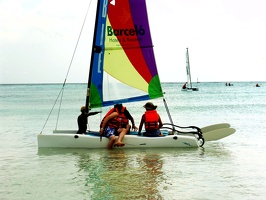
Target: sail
{"points": [[189, 84], [123, 67]]}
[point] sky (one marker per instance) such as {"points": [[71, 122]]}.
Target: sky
{"points": [[226, 40]]}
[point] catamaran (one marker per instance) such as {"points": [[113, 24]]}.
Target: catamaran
{"points": [[123, 70], [188, 85]]}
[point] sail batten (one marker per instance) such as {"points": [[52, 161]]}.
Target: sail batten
{"points": [[124, 52]]}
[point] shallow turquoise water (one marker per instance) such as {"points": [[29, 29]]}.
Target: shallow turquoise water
{"points": [[231, 168]]}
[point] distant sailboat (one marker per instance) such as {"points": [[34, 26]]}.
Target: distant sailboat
{"points": [[188, 85], [123, 70], [229, 84]]}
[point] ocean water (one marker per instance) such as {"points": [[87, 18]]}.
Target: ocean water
{"points": [[230, 168]]}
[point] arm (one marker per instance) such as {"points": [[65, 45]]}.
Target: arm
{"points": [[129, 116], [105, 121], [141, 124], [93, 113], [133, 125], [160, 122]]}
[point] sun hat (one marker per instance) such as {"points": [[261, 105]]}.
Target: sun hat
{"points": [[150, 106]]}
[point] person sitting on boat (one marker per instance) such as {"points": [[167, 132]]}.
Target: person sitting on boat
{"points": [[184, 86], [83, 120], [124, 116], [152, 121], [115, 123], [257, 85]]}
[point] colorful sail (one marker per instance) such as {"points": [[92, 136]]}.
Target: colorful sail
{"points": [[123, 67]]}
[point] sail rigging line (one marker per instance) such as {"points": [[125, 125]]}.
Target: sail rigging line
{"points": [[70, 64], [52, 108], [168, 113], [60, 104]]}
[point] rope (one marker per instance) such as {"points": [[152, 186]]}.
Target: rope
{"points": [[78, 40], [168, 112], [197, 132], [70, 64], [51, 110], [58, 114]]}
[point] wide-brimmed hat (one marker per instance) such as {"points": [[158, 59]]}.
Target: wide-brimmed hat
{"points": [[150, 106]]}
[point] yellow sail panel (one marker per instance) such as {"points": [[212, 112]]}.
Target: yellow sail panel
{"points": [[118, 66]]}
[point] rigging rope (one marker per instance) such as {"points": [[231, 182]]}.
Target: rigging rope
{"points": [[70, 64], [59, 108], [168, 112]]}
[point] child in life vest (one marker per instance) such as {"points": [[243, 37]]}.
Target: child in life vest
{"points": [[115, 123], [152, 121]]}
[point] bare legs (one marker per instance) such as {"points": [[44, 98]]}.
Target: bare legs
{"points": [[128, 128], [122, 132], [111, 142]]}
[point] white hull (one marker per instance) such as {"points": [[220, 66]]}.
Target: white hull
{"points": [[69, 139], [89, 141], [190, 89]]}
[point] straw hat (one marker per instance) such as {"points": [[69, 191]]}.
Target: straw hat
{"points": [[150, 106]]}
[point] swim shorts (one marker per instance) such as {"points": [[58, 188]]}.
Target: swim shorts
{"points": [[109, 132]]}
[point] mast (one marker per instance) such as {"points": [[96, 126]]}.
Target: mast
{"points": [[94, 49]]}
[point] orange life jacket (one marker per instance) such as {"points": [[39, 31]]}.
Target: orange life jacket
{"points": [[118, 121], [151, 120]]}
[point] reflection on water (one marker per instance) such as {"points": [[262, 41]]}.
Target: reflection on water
{"points": [[217, 171], [153, 164], [124, 174]]}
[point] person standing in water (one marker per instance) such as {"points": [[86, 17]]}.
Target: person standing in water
{"points": [[83, 120]]}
